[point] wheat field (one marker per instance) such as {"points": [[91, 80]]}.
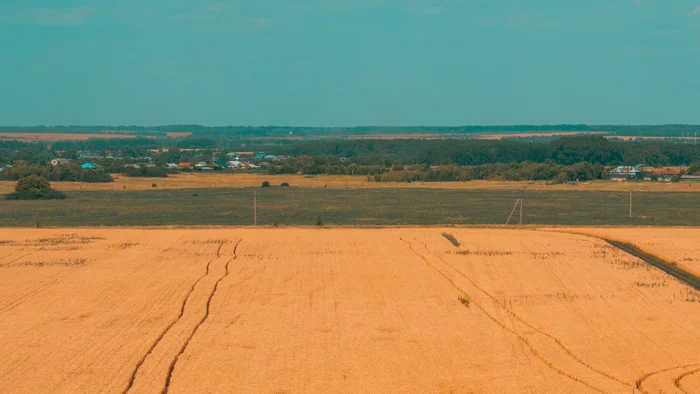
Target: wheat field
{"points": [[340, 310]]}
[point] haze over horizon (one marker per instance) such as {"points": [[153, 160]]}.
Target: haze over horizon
{"points": [[349, 63]]}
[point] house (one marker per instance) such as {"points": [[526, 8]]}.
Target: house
{"points": [[690, 178], [203, 166], [235, 164], [625, 173], [184, 164], [60, 161], [85, 155], [5, 167], [90, 166], [666, 175], [132, 166], [270, 157], [232, 156], [221, 163], [171, 166], [260, 155]]}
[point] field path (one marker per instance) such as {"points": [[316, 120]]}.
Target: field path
{"points": [[158, 363]]}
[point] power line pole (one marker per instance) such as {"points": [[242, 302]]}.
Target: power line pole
{"points": [[630, 202], [521, 207], [255, 208]]}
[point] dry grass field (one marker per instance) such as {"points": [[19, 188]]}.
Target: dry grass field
{"points": [[28, 137], [339, 310], [243, 180]]}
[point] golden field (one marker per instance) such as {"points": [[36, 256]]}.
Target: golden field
{"points": [[28, 137], [340, 310], [681, 245], [243, 180]]}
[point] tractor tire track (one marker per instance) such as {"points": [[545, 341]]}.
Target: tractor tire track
{"points": [[641, 380], [134, 373], [666, 266], [677, 381], [171, 369], [524, 340], [559, 343]]}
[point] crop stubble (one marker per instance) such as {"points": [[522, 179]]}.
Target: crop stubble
{"points": [[339, 310]]}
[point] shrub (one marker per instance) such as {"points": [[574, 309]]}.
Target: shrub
{"points": [[451, 238], [36, 194], [284, 184], [34, 187], [276, 223], [266, 184], [144, 172], [32, 182], [318, 221]]}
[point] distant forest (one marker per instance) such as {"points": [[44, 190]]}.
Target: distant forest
{"points": [[565, 151], [279, 131]]}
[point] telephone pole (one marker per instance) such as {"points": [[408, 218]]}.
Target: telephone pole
{"points": [[521, 207], [255, 208], [630, 202]]}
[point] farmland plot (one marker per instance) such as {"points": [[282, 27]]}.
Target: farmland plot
{"points": [[338, 310], [681, 245]]}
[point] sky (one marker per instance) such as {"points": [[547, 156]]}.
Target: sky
{"points": [[349, 62]]}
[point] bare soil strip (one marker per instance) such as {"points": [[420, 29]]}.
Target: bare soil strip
{"points": [[666, 266]]}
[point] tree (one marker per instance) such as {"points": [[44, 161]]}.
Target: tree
{"points": [[694, 168], [284, 184], [32, 183], [266, 184], [34, 187], [318, 221]]}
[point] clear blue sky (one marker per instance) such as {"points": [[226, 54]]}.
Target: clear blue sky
{"points": [[349, 62]]}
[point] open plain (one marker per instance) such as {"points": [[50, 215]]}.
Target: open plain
{"points": [[200, 180], [339, 310]]}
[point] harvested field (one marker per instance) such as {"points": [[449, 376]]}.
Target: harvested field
{"points": [[28, 137], [338, 310], [176, 134], [244, 180]]}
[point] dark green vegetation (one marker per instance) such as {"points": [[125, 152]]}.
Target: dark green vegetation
{"points": [[452, 239], [564, 151], [34, 187], [300, 206], [63, 173], [666, 266]]}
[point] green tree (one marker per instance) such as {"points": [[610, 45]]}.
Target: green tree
{"points": [[32, 183]]}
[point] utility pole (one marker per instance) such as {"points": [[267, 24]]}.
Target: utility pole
{"points": [[630, 202], [255, 208], [521, 207]]}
